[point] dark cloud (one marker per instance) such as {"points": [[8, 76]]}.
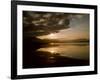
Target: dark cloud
{"points": [[43, 23]]}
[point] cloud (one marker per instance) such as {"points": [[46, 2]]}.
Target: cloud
{"points": [[43, 23]]}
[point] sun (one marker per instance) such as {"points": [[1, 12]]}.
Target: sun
{"points": [[49, 36], [52, 36]]}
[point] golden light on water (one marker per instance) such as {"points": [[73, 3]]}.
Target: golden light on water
{"points": [[73, 51], [52, 50]]}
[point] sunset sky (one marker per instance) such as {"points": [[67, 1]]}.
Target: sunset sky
{"points": [[51, 25], [78, 29]]}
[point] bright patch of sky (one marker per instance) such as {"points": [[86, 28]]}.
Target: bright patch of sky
{"points": [[79, 29]]}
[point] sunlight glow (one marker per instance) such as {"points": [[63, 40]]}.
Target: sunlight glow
{"points": [[76, 51], [52, 51], [51, 36]]}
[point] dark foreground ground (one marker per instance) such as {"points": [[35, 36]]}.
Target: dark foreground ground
{"points": [[53, 60]]}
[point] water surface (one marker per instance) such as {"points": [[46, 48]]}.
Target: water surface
{"points": [[72, 50], [56, 55]]}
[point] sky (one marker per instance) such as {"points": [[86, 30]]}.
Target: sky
{"points": [[56, 25], [78, 29]]}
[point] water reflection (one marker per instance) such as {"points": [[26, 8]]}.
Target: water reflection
{"points": [[56, 55], [77, 50]]}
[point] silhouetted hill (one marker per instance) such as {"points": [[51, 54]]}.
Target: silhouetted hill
{"points": [[64, 41]]}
